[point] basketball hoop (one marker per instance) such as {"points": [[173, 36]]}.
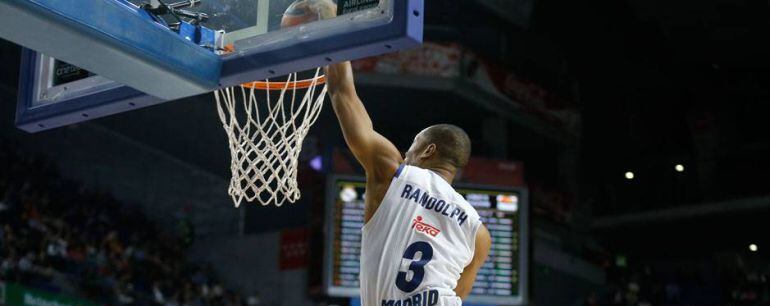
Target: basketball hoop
{"points": [[301, 84], [265, 136]]}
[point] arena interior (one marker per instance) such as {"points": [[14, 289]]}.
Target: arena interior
{"points": [[632, 135]]}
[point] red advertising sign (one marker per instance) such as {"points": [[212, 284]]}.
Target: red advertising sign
{"points": [[294, 249]]}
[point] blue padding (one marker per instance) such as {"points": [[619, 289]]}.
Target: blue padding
{"points": [[148, 57], [188, 32]]}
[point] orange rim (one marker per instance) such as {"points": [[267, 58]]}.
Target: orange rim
{"points": [[301, 84]]}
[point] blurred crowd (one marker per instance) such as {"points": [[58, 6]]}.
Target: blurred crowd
{"points": [[728, 280], [58, 236]]}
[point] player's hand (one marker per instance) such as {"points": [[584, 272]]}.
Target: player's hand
{"points": [[326, 9], [339, 78]]}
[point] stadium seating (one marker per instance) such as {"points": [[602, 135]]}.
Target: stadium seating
{"points": [[57, 236]]}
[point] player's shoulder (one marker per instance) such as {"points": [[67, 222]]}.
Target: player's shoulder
{"points": [[460, 201]]}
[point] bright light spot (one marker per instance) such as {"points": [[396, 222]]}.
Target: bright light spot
{"points": [[629, 175], [679, 168], [348, 194], [316, 163], [753, 247]]}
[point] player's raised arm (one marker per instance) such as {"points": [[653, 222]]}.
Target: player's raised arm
{"points": [[377, 155], [480, 253]]}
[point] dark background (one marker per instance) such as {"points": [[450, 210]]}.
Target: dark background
{"points": [[655, 84]]}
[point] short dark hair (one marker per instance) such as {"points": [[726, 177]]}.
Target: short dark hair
{"points": [[452, 143]]}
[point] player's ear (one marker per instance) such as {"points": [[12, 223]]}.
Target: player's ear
{"points": [[429, 151]]}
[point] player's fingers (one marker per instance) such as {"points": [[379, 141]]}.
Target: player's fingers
{"points": [[302, 4], [314, 5], [326, 8]]}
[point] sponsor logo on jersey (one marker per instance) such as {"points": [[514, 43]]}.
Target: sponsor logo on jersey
{"points": [[422, 227]]}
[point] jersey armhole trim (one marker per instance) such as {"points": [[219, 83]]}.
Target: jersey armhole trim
{"points": [[398, 171]]}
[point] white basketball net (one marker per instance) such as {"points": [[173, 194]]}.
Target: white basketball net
{"points": [[265, 138]]}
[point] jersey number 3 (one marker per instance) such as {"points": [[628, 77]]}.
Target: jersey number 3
{"points": [[417, 266]]}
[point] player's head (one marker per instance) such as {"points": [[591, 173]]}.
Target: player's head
{"points": [[440, 145]]}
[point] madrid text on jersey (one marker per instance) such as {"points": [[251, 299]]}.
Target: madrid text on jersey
{"points": [[430, 202], [424, 298]]}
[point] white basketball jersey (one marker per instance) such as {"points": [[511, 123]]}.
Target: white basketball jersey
{"points": [[417, 243]]}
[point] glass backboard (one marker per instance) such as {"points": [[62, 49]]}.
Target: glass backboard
{"points": [[242, 19], [62, 83], [246, 19]]}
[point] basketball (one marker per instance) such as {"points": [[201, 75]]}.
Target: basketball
{"points": [[298, 13]]}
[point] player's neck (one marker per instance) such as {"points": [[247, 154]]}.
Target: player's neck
{"points": [[444, 172]]}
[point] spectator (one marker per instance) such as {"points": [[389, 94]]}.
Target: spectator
{"points": [[58, 236]]}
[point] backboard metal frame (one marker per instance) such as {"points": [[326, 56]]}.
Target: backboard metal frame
{"points": [[393, 26], [41, 106]]}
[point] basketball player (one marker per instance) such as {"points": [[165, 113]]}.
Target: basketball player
{"points": [[422, 243]]}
